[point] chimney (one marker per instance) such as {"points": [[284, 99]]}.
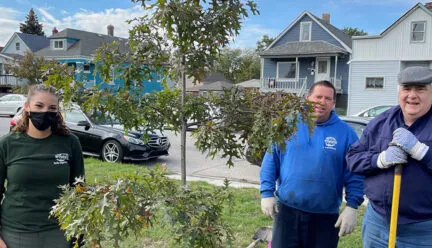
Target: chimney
{"points": [[110, 29], [54, 31], [326, 17], [428, 5]]}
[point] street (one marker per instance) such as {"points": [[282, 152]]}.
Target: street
{"points": [[197, 164]]}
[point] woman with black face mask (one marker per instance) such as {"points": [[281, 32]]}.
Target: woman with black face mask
{"points": [[35, 158]]}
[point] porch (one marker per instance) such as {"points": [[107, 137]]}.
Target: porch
{"points": [[295, 86], [10, 80]]}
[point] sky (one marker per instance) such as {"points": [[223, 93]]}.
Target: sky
{"points": [[373, 16]]}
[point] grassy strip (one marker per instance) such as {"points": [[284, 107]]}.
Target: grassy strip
{"points": [[244, 220]]}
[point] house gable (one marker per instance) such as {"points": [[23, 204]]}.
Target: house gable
{"points": [[11, 46], [395, 42], [319, 31]]}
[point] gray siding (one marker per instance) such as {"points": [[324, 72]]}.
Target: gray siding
{"points": [[318, 33], [269, 68], [361, 98]]}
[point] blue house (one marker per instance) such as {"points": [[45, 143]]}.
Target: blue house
{"points": [[77, 48], [308, 50]]}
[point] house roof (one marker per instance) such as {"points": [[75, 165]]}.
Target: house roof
{"points": [[303, 48], [344, 39], [252, 83], [34, 42], [334, 30], [213, 82], [392, 26], [85, 44], [11, 55]]}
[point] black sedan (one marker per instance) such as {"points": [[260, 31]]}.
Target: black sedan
{"points": [[111, 142], [357, 123]]}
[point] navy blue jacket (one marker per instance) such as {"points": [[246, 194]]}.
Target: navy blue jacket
{"points": [[312, 171], [416, 187]]}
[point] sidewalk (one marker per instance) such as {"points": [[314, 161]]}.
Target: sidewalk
{"points": [[242, 174]]}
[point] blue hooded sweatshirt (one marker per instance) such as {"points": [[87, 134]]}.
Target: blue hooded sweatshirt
{"points": [[312, 171]]}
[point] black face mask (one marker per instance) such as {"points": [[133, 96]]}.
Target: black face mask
{"points": [[43, 120]]}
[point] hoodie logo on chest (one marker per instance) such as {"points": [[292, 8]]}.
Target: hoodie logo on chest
{"points": [[330, 143]]}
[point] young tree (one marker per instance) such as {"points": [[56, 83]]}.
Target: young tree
{"points": [[187, 36], [29, 67], [354, 31], [32, 25]]}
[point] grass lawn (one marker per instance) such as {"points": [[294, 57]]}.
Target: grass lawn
{"points": [[244, 220]]}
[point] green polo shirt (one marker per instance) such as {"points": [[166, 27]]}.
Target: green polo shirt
{"points": [[33, 170]]}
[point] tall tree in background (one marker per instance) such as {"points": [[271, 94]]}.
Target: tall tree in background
{"points": [[264, 43], [354, 31], [238, 65], [32, 25]]}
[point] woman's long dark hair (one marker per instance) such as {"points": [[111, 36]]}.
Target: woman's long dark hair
{"points": [[23, 122]]}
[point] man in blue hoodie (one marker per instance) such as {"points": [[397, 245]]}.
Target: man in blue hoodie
{"points": [[310, 175], [401, 135]]}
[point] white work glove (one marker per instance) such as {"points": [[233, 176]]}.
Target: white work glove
{"points": [[394, 155], [269, 206], [347, 221], [409, 143]]}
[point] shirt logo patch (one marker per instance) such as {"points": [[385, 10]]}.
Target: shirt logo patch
{"points": [[330, 142], [61, 158]]}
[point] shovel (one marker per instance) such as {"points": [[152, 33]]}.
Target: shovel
{"points": [[395, 205], [263, 234]]}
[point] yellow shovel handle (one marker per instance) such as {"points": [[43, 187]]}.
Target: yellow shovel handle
{"points": [[395, 206]]}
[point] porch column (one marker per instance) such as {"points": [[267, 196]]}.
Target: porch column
{"points": [[297, 73], [335, 75]]}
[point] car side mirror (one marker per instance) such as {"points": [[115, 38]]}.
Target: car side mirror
{"points": [[85, 124]]}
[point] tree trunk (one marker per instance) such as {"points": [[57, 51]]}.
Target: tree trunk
{"points": [[183, 126]]}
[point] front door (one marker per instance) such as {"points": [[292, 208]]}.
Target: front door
{"points": [[322, 70]]}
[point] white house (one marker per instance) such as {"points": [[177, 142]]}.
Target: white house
{"points": [[15, 49], [377, 59]]}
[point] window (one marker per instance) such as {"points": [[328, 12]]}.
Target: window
{"points": [[305, 31], [418, 30], [322, 66], [17, 46], [374, 82], [74, 116], [286, 70], [86, 68], [58, 44]]}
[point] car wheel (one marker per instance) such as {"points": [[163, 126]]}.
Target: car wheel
{"points": [[112, 151]]}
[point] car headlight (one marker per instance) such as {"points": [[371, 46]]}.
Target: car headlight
{"points": [[134, 140]]}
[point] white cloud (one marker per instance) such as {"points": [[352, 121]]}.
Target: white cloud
{"points": [[250, 34], [47, 17], [94, 21], [8, 24]]}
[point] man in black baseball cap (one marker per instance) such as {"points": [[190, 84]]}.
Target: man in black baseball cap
{"points": [[401, 135]]}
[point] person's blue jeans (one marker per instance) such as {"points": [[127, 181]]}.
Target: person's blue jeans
{"points": [[375, 232]]}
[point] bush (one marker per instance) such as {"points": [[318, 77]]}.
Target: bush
{"points": [[114, 211]]}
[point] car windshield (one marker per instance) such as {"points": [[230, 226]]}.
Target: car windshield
{"points": [[109, 119], [74, 116]]}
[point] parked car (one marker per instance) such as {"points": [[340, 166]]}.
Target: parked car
{"points": [[10, 104], [357, 123], [111, 143], [373, 111]]}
